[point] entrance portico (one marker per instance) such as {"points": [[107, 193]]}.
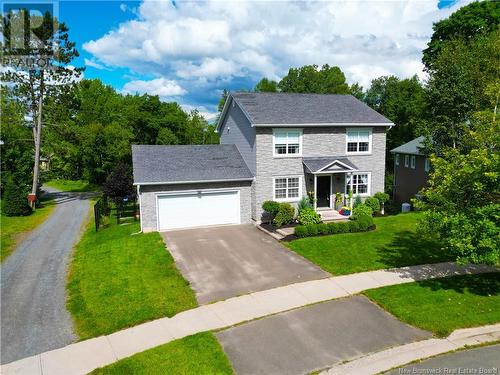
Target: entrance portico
{"points": [[330, 175]]}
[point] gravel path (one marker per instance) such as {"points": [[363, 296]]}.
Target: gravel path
{"points": [[34, 318]]}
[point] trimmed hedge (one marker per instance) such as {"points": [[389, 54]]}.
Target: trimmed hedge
{"points": [[361, 224]]}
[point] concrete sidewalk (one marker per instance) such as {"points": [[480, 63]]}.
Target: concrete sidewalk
{"points": [[85, 356], [401, 355]]}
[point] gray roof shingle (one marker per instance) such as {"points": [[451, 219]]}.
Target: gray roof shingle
{"points": [[413, 147], [306, 109], [174, 164], [314, 164]]}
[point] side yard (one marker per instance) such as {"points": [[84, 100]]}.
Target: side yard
{"points": [[393, 244], [119, 278], [15, 229], [72, 185]]}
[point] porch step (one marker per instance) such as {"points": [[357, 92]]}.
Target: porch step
{"points": [[332, 215]]}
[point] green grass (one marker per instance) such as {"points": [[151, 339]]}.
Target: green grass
{"points": [[72, 185], [443, 305], [16, 228], [119, 279], [393, 244], [197, 354]]}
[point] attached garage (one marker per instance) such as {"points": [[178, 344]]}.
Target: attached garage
{"points": [[198, 209], [182, 187]]}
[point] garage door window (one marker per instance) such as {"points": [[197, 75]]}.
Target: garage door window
{"points": [[286, 188]]}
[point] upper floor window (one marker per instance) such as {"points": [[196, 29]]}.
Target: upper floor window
{"points": [[287, 142], [397, 159], [412, 161], [359, 141], [427, 165], [407, 160]]}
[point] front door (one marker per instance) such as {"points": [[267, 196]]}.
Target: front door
{"points": [[323, 191]]}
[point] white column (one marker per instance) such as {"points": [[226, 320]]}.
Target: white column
{"points": [[350, 203], [315, 193]]}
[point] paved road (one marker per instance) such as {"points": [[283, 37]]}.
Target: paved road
{"points": [[314, 337], [483, 360], [227, 261], [34, 318]]}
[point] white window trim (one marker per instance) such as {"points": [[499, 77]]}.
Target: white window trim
{"points": [[369, 188], [287, 199], [397, 159], [427, 166], [413, 161], [407, 161], [370, 136], [299, 154]]}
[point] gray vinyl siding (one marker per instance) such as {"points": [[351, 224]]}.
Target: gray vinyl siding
{"points": [[409, 181], [148, 195], [237, 130], [316, 141]]}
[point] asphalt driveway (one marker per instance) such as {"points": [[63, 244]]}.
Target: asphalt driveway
{"points": [[224, 262], [34, 318], [314, 337]]}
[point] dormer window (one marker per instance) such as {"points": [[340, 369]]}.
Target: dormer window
{"points": [[287, 142], [359, 141]]}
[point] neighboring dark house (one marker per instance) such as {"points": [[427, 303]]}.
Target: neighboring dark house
{"points": [[411, 170]]}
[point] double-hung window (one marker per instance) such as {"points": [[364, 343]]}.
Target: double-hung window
{"points": [[412, 161], [407, 160], [359, 141], [397, 159], [287, 188], [287, 142], [427, 165], [360, 183]]}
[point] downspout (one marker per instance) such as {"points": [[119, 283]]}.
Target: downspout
{"points": [[140, 206]]}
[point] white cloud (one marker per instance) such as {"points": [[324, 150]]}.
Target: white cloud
{"points": [[95, 64], [162, 87], [201, 43]]}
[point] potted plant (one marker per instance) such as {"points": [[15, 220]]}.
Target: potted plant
{"points": [[339, 198]]}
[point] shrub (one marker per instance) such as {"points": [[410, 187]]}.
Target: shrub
{"points": [[308, 216], [343, 227], [303, 204], [271, 207], [323, 228], [373, 203], [353, 226], [332, 228], [14, 202], [312, 229], [364, 222], [301, 231], [285, 215], [362, 210], [357, 201], [382, 197]]}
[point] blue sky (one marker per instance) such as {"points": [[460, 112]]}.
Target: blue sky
{"points": [[190, 51]]}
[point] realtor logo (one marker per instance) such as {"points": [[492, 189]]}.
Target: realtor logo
{"points": [[27, 34]]}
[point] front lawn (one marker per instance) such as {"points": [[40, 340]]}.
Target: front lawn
{"points": [[443, 305], [393, 244], [197, 354], [72, 185], [16, 228], [119, 278]]}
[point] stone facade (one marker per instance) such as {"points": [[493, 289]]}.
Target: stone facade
{"points": [[148, 195]]}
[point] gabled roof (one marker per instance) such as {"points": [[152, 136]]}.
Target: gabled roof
{"points": [[194, 163], [413, 147], [328, 164], [291, 109]]}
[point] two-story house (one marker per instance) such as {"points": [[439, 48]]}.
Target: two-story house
{"points": [[274, 146]]}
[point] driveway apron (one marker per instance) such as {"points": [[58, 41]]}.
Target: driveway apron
{"points": [[227, 261], [34, 318]]}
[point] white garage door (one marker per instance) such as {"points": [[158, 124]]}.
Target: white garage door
{"points": [[198, 209]]}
